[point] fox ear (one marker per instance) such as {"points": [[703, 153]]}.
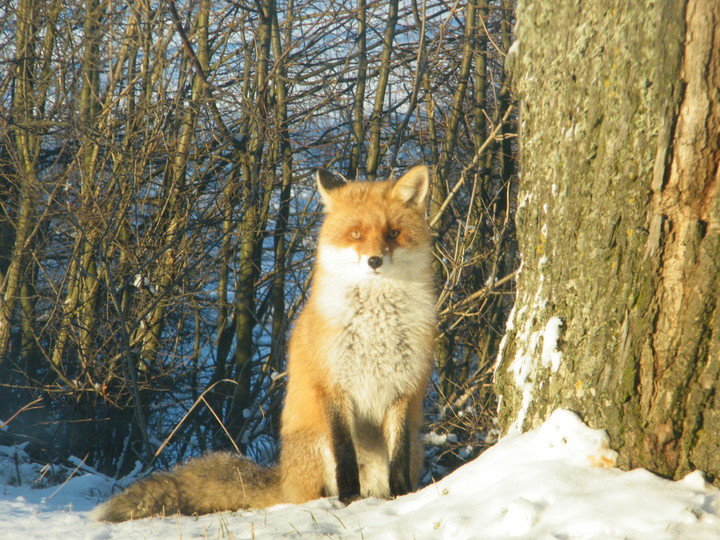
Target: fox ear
{"points": [[412, 187], [326, 183]]}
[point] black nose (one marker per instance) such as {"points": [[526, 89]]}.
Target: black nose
{"points": [[375, 262]]}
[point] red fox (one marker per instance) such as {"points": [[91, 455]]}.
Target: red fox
{"points": [[359, 361]]}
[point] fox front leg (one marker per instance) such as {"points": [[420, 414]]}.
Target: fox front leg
{"points": [[400, 483], [346, 465], [399, 429]]}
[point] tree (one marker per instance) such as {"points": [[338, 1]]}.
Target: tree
{"points": [[617, 314]]}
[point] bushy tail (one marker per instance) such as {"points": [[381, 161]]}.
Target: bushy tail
{"points": [[213, 483]]}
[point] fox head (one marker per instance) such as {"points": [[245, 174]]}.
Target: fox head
{"points": [[374, 230]]}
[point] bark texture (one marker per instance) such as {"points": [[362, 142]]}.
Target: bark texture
{"points": [[619, 228]]}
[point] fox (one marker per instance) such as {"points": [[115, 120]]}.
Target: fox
{"points": [[359, 361]]}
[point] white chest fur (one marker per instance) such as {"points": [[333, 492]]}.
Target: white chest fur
{"points": [[383, 349]]}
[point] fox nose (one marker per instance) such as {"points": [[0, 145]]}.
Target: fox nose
{"points": [[375, 262]]}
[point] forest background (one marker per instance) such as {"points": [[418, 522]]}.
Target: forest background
{"points": [[157, 209]]}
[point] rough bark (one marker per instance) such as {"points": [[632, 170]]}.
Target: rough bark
{"points": [[619, 228]]}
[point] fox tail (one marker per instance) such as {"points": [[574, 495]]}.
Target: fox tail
{"points": [[213, 483]]}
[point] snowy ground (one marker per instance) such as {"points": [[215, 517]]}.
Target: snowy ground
{"points": [[557, 482]]}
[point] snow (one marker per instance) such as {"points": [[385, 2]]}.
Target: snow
{"points": [[556, 482], [551, 356]]}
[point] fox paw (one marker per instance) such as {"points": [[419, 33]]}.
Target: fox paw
{"points": [[349, 498]]}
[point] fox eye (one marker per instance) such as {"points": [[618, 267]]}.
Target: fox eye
{"points": [[393, 234], [355, 234]]}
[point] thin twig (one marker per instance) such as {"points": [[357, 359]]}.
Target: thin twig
{"points": [[466, 170], [187, 414], [77, 467], [20, 410]]}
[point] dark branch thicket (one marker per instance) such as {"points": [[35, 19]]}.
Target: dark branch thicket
{"points": [[157, 211]]}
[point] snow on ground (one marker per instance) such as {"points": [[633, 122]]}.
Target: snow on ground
{"points": [[556, 482]]}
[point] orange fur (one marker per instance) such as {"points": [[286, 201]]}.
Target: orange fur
{"points": [[360, 217]]}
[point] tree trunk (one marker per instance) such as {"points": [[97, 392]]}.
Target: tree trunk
{"points": [[20, 227], [374, 152], [619, 228], [358, 118]]}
